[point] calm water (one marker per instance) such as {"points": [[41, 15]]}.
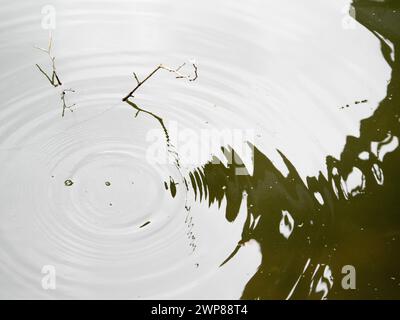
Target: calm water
{"points": [[308, 97]]}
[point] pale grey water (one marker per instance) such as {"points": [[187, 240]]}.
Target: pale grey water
{"points": [[282, 69]]}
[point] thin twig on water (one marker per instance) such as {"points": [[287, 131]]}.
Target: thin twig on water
{"points": [[54, 79], [65, 106], [128, 99], [139, 83], [178, 75]]}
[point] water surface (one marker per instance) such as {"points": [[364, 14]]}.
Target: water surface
{"points": [[315, 90]]}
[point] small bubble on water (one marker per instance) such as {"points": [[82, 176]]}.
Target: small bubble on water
{"points": [[68, 183]]}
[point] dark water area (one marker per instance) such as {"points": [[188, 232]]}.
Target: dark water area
{"points": [[329, 224]]}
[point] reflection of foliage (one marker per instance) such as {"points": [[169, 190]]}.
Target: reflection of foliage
{"points": [[54, 78], [349, 217]]}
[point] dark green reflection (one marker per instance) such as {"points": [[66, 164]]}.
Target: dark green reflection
{"points": [[332, 224]]}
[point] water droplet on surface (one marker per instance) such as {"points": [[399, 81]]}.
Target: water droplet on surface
{"points": [[68, 183]]}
